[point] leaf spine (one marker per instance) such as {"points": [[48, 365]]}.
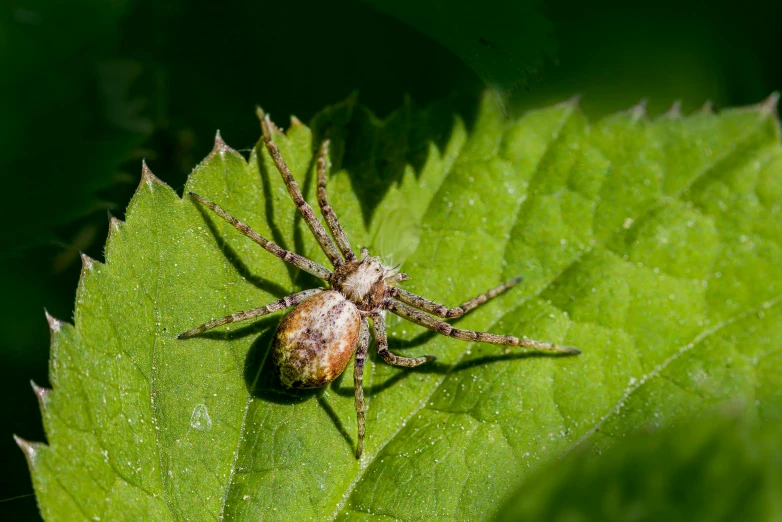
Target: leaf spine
{"points": [[41, 392], [86, 262], [638, 111], [675, 112], [770, 104], [29, 448], [220, 147], [54, 323]]}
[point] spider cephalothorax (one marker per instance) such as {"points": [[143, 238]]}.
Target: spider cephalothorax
{"points": [[316, 340], [363, 282]]}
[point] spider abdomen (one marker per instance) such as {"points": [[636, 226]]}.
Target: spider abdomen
{"points": [[316, 340]]}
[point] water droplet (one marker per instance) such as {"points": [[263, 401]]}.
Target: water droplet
{"points": [[200, 419]]}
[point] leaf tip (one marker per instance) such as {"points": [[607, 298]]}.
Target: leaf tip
{"points": [[29, 448], [573, 102], [501, 98], [638, 111], [295, 122], [41, 392], [54, 324], [220, 147], [675, 112], [87, 262], [147, 178], [114, 224], [352, 99], [219, 143], [769, 106], [707, 108], [145, 169]]}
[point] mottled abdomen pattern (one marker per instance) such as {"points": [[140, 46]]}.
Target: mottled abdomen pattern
{"points": [[316, 340]]}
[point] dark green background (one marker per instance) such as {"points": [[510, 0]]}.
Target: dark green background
{"points": [[88, 88]]}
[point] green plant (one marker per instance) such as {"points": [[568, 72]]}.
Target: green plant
{"points": [[653, 246]]}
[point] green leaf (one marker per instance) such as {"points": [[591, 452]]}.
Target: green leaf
{"points": [[712, 469], [505, 43], [654, 246]]}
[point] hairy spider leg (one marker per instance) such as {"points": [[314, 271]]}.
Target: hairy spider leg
{"points": [[328, 213], [285, 302], [301, 262], [358, 387], [443, 328], [381, 339], [449, 313], [305, 209]]}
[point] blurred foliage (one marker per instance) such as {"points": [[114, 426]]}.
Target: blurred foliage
{"points": [[505, 43], [721, 468], [121, 80]]}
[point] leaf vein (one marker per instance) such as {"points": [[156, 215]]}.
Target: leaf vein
{"points": [[656, 372]]}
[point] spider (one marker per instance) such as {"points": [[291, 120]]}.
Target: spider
{"points": [[316, 340]]}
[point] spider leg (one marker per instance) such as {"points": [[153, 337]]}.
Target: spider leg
{"points": [[305, 209], [441, 327], [285, 302], [301, 262], [397, 278], [358, 389], [379, 325], [449, 313], [331, 218]]}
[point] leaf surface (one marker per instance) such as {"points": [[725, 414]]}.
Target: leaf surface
{"points": [[711, 469], [653, 246]]}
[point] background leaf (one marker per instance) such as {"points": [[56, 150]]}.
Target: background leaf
{"points": [[505, 43], [651, 245], [710, 469]]}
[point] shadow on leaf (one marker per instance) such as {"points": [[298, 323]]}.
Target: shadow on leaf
{"points": [[233, 257], [375, 152]]}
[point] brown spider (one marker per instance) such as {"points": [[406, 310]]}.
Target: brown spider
{"points": [[315, 341]]}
